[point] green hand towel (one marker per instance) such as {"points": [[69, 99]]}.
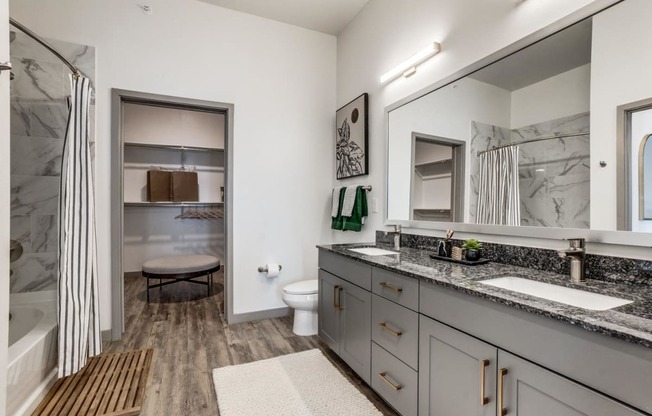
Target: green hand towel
{"points": [[360, 211], [338, 222]]}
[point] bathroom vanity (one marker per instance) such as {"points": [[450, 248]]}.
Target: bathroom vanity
{"points": [[431, 339]]}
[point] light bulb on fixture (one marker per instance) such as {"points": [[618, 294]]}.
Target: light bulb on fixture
{"points": [[410, 72], [409, 66]]}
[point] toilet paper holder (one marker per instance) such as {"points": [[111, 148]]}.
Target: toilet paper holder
{"points": [[263, 269]]}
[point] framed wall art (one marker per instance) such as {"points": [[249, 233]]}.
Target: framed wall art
{"points": [[352, 139]]}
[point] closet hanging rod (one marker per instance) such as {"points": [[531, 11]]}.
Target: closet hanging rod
{"points": [[540, 139], [175, 147], [173, 204], [75, 72]]}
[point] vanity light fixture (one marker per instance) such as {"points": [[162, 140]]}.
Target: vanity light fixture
{"points": [[409, 66]]}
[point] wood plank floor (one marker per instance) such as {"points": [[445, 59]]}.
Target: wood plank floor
{"points": [[190, 337]]}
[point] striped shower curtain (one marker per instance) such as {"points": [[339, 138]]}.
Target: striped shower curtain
{"points": [[499, 202], [79, 325]]}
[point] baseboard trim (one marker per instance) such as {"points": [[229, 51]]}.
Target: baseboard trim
{"points": [[106, 335], [258, 315]]}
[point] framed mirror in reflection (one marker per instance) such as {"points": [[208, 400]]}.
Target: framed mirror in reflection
{"points": [[535, 133]]}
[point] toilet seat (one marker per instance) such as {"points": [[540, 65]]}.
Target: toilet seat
{"points": [[304, 287]]}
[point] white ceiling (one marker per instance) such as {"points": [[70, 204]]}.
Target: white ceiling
{"points": [[559, 53], [328, 16]]}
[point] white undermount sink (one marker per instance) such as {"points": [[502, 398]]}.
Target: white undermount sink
{"points": [[569, 296], [372, 251]]}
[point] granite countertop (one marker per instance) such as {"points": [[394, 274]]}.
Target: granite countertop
{"points": [[632, 322]]}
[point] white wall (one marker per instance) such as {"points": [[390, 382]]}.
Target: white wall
{"points": [[173, 126], [560, 96], [4, 203], [620, 75], [425, 152], [447, 114], [281, 79]]}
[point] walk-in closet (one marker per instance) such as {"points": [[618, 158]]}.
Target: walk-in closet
{"points": [[173, 189]]}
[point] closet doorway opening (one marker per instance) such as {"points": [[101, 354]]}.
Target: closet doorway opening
{"points": [[170, 196], [437, 172]]}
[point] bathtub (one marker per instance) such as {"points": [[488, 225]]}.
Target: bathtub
{"points": [[32, 360]]}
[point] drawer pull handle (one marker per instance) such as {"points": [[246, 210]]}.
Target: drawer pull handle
{"points": [[390, 287], [501, 378], [483, 366], [396, 387], [388, 329]]}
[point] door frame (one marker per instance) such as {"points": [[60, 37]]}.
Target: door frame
{"points": [[623, 158], [118, 98], [458, 172]]}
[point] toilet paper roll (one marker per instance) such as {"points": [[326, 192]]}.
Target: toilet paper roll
{"points": [[273, 270]]}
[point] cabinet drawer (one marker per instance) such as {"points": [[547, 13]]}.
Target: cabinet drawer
{"points": [[351, 270], [402, 392], [401, 289], [396, 329]]}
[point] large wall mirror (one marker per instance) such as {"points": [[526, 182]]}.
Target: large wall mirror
{"points": [[514, 143]]}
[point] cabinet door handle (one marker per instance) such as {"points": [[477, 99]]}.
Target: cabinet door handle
{"points": [[502, 411], [396, 387], [335, 297], [483, 366], [388, 329], [339, 298], [390, 287]]}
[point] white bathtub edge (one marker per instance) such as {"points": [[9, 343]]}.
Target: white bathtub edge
{"points": [[32, 402]]}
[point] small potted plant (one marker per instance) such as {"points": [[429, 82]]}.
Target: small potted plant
{"points": [[472, 249]]}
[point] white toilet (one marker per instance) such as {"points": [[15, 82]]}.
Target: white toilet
{"points": [[302, 297]]}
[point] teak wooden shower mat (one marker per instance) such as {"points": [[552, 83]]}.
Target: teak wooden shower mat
{"points": [[109, 385]]}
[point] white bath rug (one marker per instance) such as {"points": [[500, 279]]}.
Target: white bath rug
{"points": [[301, 384]]}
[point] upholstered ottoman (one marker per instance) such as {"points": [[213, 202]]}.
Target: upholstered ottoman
{"points": [[177, 269]]}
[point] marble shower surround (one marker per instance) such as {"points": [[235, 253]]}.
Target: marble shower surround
{"points": [[39, 113], [604, 268], [554, 175]]}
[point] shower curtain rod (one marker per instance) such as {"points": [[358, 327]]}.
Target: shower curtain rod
{"points": [[75, 72], [540, 139]]}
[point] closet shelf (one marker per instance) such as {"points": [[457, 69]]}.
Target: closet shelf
{"points": [[175, 147], [173, 204], [431, 169]]}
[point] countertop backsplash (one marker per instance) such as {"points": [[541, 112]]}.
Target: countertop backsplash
{"points": [[606, 268]]}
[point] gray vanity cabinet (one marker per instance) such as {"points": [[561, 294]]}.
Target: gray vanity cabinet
{"points": [[461, 375], [530, 390], [328, 311], [344, 312], [355, 328], [457, 373]]}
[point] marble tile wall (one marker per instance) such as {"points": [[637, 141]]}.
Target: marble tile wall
{"points": [[39, 113], [554, 175]]}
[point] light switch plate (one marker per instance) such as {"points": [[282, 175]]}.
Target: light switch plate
{"points": [[374, 204]]}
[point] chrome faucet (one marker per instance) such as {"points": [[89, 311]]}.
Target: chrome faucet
{"points": [[577, 254], [397, 236]]}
